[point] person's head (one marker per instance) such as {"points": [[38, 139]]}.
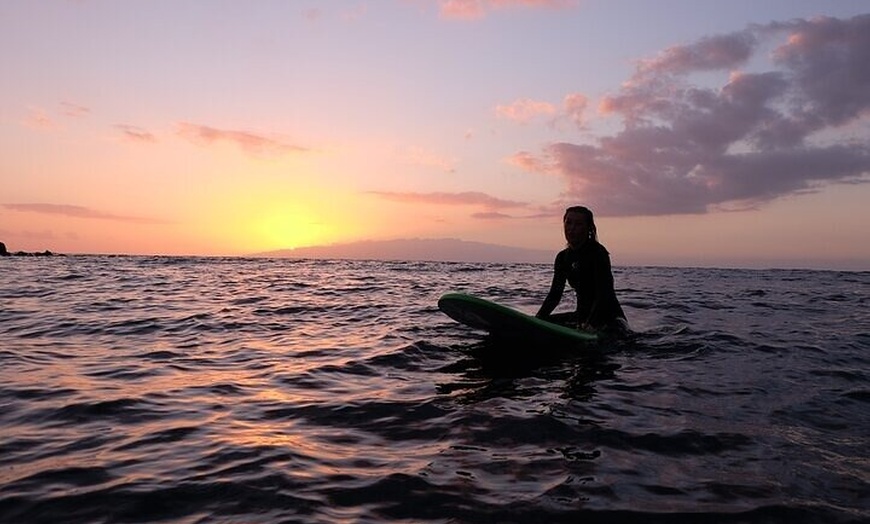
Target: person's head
{"points": [[579, 225]]}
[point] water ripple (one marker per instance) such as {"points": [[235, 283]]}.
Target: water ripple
{"points": [[139, 389]]}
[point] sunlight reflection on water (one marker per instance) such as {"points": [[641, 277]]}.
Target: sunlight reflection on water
{"points": [[192, 389]]}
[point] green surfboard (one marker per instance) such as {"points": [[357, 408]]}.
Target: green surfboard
{"points": [[505, 322]]}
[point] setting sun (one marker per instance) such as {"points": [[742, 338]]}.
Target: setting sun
{"points": [[289, 227]]}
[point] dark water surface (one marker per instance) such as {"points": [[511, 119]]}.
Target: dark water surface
{"points": [[153, 389]]}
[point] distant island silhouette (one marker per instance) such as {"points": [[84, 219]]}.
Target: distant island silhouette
{"points": [[418, 249]]}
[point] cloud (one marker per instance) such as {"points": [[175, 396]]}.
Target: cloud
{"points": [[492, 206], [531, 162], [312, 14], [76, 212], [469, 198], [708, 54], [492, 215], [74, 110], [475, 9], [524, 110], [38, 118], [574, 106], [762, 134], [249, 142], [135, 134]]}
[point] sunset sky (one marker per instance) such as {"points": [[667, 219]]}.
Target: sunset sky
{"points": [[700, 132]]}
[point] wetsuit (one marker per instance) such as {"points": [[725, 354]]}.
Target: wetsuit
{"points": [[587, 269]]}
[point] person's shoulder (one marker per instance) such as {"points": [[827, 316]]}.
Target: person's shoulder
{"points": [[562, 255], [598, 248], [563, 259]]}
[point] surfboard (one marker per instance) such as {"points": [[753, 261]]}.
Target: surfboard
{"points": [[506, 322]]}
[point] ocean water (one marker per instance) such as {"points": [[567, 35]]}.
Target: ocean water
{"points": [[160, 389]]}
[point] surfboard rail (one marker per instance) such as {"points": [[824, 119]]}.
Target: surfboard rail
{"points": [[504, 321]]}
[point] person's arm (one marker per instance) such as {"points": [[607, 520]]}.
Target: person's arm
{"points": [[554, 296]]}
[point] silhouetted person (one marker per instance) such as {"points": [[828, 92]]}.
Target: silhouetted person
{"points": [[585, 264]]}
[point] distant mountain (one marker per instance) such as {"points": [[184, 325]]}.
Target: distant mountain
{"points": [[419, 249]]}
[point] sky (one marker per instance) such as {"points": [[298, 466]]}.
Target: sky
{"points": [[701, 133]]}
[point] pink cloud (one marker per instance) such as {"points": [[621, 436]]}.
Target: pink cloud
{"points": [[492, 207], [492, 215], [469, 198], [574, 106], [828, 59], [312, 14], [708, 54], [524, 110], [249, 142], [475, 9], [531, 162], [38, 118], [687, 148], [135, 134], [74, 110], [76, 212]]}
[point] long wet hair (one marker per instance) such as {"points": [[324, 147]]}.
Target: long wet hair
{"points": [[585, 211]]}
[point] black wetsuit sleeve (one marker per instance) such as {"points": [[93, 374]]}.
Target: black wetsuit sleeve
{"points": [[554, 295]]}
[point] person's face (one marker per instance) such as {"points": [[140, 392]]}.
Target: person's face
{"points": [[576, 229]]}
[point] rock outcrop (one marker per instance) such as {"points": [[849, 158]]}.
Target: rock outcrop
{"points": [[5, 253]]}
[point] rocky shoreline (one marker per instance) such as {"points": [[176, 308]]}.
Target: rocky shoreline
{"points": [[5, 253]]}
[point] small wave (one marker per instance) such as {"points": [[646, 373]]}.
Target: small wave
{"points": [[123, 410], [218, 389], [161, 355]]}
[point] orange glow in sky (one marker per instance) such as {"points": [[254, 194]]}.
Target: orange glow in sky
{"points": [[698, 135]]}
